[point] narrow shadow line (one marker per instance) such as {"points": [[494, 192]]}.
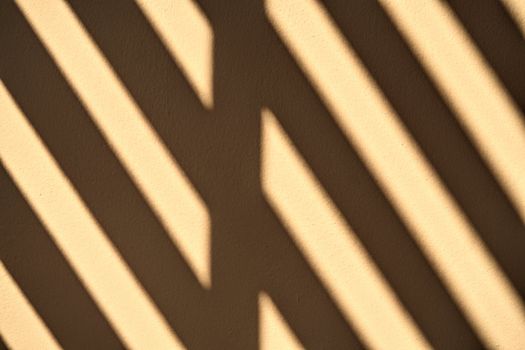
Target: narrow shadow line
{"points": [[46, 279], [499, 39], [436, 130]]}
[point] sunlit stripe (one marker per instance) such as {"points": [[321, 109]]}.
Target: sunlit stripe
{"points": [[75, 231], [331, 247], [20, 326], [144, 155], [517, 10], [437, 224], [471, 87], [188, 35], [274, 333]]}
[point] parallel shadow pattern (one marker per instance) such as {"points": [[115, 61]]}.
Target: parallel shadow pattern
{"points": [[262, 174]]}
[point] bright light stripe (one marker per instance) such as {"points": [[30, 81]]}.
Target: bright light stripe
{"points": [[75, 231], [331, 247], [188, 35], [150, 164], [470, 86], [20, 325], [274, 333], [437, 224], [517, 10]]}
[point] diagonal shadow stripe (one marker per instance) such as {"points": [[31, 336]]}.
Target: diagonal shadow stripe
{"points": [[237, 237], [376, 225], [3, 346], [76, 232], [47, 279], [330, 245], [481, 104], [100, 179], [136, 144], [471, 89], [517, 11], [369, 123], [18, 318], [287, 277], [113, 199], [157, 85], [436, 131], [93, 22], [500, 41], [349, 184], [273, 330], [187, 34]]}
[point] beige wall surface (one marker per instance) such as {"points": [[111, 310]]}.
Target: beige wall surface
{"points": [[262, 174]]}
